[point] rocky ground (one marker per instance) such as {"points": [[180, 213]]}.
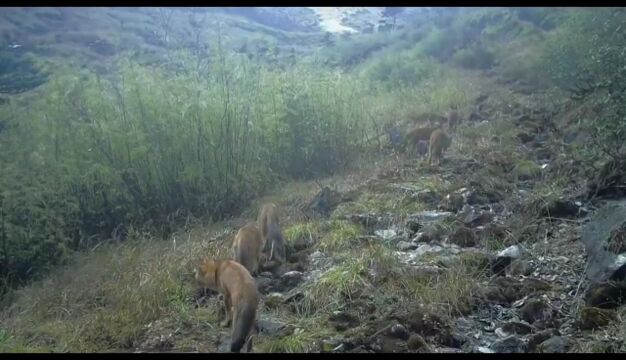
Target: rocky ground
{"points": [[541, 275], [508, 246]]}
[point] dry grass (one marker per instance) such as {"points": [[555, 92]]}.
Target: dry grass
{"points": [[104, 299]]}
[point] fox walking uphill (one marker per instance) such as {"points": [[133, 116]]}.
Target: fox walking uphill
{"points": [[272, 236], [247, 246], [241, 298]]}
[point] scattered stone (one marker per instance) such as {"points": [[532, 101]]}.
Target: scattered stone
{"points": [[264, 284], [478, 219], [557, 344], [452, 202], [453, 340], [593, 318], [504, 259], [516, 327], [399, 331], [535, 310], [483, 350], [600, 239], [476, 198], [429, 216], [330, 345], [406, 246], [513, 252], [343, 320], [425, 322], [519, 267], [540, 337], [291, 279], [320, 261], [562, 209], [509, 345], [270, 327], [160, 343], [386, 234], [413, 226], [463, 237]]}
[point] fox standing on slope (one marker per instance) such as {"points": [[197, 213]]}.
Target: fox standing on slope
{"points": [[247, 246], [439, 142], [241, 299], [272, 235]]}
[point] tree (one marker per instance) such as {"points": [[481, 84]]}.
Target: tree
{"points": [[392, 13]]}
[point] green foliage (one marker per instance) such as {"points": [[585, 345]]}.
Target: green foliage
{"points": [[475, 57], [92, 156], [587, 55], [18, 72], [406, 68], [588, 50]]}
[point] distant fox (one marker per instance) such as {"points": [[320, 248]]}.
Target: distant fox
{"points": [[272, 235], [247, 246], [241, 298], [439, 142], [427, 118], [416, 136], [454, 118]]}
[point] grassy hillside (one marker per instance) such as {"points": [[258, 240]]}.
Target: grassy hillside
{"points": [[140, 140]]}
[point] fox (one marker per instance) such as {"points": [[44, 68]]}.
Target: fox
{"points": [[427, 118], [241, 298], [454, 118], [417, 136], [247, 246], [439, 142], [273, 240]]}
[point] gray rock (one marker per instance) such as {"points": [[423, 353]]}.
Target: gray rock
{"points": [[387, 234], [603, 243], [463, 237], [514, 252], [536, 310], [519, 267], [452, 202], [557, 344], [343, 320], [540, 337], [509, 345], [270, 327], [516, 327], [291, 278], [399, 331], [430, 216], [406, 246]]}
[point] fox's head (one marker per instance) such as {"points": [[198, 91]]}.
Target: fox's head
{"points": [[205, 273]]}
